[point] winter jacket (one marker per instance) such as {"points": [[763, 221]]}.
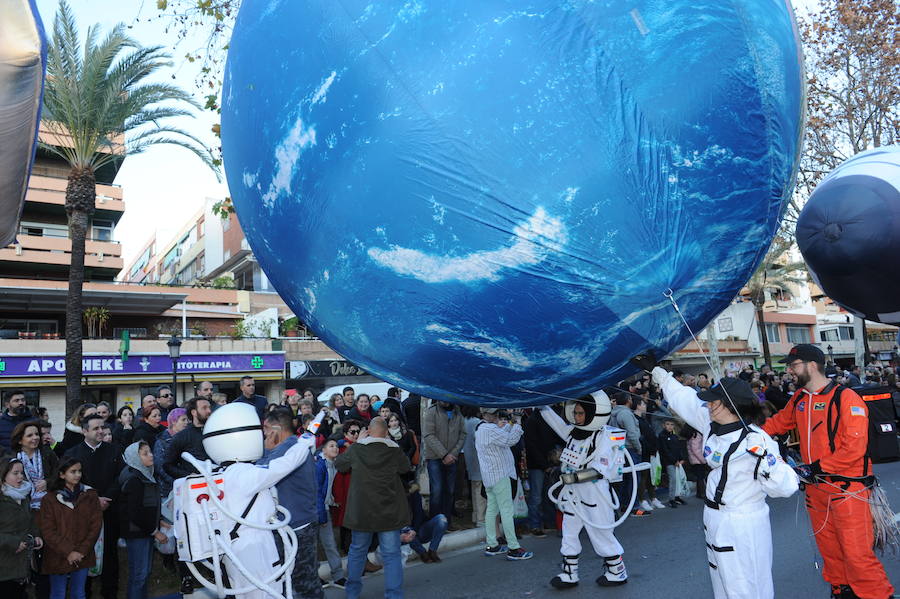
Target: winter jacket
{"points": [[8, 423], [377, 500], [540, 441], [146, 433], [649, 444], [323, 489], [66, 528], [122, 436], [297, 490], [159, 458], [189, 440], [71, 437], [442, 435], [99, 467], [671, 449], [622, 417], [138, 505], [412, 408], [259, 402], [16, 523]]}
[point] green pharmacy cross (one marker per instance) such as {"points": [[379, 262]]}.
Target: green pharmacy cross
{"points": [[257, 362]]}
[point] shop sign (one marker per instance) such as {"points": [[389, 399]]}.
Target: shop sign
{"points": [[298, 369], [24, 366]]}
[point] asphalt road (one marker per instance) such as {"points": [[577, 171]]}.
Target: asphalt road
{"points": [[665, 555]]}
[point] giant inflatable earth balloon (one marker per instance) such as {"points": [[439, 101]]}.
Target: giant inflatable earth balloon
{"points": [[488, 201], [849, 234]]}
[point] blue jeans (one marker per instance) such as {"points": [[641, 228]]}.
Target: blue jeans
{"points": [[441, 481], [76, 580], [535, 498], [433, 531], [140, 556], [389, 547]]}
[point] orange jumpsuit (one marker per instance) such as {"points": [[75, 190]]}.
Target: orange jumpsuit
{"points": [[838, 509]]}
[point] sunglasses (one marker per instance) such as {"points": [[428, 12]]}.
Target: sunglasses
{"points": [[166, 395], [353, 432]]}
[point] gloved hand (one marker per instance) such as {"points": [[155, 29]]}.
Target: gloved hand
{"points": [[808, 472], [645, 361], [659, 375]]}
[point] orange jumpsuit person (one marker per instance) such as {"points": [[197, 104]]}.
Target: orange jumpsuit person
{"points": [[832, 423]]}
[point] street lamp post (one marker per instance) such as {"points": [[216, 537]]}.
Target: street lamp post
{"points": [[174, 344]]}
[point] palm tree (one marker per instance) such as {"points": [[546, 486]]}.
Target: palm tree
{"points": [[775, 273], [100, 106]]}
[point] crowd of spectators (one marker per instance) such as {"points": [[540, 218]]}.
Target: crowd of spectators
{"points": [[378, 462]]}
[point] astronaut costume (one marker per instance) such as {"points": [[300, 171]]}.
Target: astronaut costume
{"points": [[589, 504], [746, 466], [242, 511]]}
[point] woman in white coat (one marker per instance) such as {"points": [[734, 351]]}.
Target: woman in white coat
{"points": [[746, 467]]}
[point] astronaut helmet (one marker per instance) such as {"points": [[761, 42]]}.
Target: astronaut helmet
{"points": [[597, 408], [233, 434]]}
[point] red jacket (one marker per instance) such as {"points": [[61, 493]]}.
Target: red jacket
{"points": [[809, 414]]}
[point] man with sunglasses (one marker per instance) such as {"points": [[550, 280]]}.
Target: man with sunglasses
{"points": [[165, 400], [832, 423]]}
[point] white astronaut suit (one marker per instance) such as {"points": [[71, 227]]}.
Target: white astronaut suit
{"points": [[588, 505], [247, 550], [746, 467]]}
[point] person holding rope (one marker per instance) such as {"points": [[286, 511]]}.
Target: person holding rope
{"points": [[832, 423], [745, 467]]}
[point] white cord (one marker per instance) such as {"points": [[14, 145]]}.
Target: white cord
{"points": [[670, 295]]}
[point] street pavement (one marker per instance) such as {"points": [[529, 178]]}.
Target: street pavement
{"points": [[665, 555]]}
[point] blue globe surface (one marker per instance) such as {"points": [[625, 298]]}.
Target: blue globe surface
{"points": [[487, 201]]}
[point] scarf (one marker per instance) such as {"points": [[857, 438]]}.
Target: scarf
{"points": [[132, 458], [34, 471], [396, 433], [20, 493], [71, 495]]}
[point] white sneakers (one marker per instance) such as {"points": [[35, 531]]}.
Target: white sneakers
{"points": [[645, 505], [657, 503]]}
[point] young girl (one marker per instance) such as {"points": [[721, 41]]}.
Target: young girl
{"points": [[18, 533], [69, 519], [139, 517]]}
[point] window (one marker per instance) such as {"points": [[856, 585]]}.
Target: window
{"points": [[846, 333], [35, 231], [797, 334], [829, 335], [102, 230], [772, 333]]}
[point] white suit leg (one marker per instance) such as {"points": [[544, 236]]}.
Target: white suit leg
{"points": [[603, 540], [739, 549]]}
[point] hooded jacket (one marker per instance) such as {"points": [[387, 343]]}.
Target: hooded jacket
{"points": [[376, 501], [67, 527], [16, 523], [139, 499]]}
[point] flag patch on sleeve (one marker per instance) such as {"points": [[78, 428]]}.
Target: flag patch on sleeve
{"points": [[617, 437], [857, 411]]}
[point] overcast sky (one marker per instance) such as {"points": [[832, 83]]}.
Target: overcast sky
{"points": [[165, 185]]}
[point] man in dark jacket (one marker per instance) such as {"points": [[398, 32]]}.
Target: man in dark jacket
{"points": [[14, 412], [672, 453], [100, 467], [248, 396], [412, 409], [296, 492], [540, 441], [376, 504], [188, 440]]}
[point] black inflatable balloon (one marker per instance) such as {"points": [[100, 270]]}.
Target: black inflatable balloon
{"points": [[849, 234]]}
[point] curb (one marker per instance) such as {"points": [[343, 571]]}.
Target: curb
{"points": [[451, 542]]}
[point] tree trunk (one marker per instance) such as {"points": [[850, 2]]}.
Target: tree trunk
{"points": [[80, 195], [761, 323]]}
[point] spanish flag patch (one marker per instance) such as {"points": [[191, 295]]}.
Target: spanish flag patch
{"points": [[617, 437]]}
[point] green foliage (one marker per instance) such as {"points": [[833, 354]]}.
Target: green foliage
{"points": [[223, 282], [97, 96]]}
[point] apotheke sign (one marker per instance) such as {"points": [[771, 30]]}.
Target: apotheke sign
{"points": [[23, 366]]}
